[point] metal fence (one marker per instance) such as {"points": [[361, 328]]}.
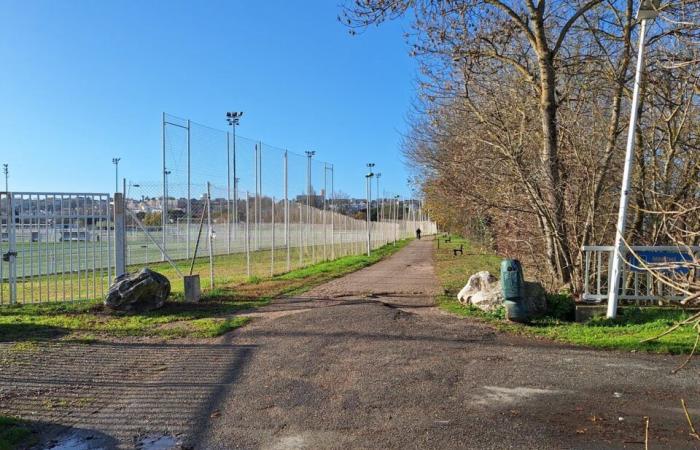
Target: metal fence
{"points": [[278, 207], [275, 235], [54, 246], [247, 208], [638, 285]]}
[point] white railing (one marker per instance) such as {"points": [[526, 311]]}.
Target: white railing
{"points": [[638, 285]]}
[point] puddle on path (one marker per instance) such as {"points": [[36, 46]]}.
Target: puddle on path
{"points": [[162, 442], [74, 442], [79, 441]]}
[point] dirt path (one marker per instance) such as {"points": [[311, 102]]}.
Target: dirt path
{"points": [[352, 365]]}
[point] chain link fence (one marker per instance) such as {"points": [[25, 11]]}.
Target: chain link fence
{"points": [[254, 209], [228, 209]]}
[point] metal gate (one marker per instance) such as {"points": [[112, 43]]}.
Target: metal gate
{"points": [[55, 246]]}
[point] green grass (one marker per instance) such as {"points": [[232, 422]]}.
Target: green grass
{"points": [[15, 433], [92, 285], [213, 316], [627, 332]]}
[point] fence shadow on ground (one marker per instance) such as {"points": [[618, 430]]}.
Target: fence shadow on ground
{"points": [[124, 390], [15, 332]]}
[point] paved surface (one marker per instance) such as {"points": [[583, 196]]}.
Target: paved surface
{"points": [[364, 361]]}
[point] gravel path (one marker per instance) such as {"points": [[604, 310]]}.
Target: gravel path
{"points": [[364, 361]]}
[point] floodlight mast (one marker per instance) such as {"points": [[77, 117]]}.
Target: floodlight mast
{"points": [[368, 177], [115, 161], [233, 119], [379, 211], [648, 10], [6, 172]]}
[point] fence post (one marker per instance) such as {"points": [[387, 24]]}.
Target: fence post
{"points": [[301, 240], [325, 194], [332, 213], [189, 189], [247, 232], [260, 194], [255, 204], [119, 235], [164, 206], [286, 210], [272, 247], [210, 232]]}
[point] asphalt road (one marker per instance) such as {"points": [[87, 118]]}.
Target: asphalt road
{"points": [[364, 361]]}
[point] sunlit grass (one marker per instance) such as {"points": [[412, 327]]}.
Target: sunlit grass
{"points": [[626, 332], [213, 316]]}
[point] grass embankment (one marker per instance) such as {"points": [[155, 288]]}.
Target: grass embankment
{"points": [[626, 332], [213, 316]]}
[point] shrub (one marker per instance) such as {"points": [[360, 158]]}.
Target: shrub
{"points": [[561, 307]]}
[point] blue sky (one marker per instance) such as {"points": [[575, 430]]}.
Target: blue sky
{"points": [[83, 81]]}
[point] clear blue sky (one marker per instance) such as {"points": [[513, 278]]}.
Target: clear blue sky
{"points": [[83, 81]]}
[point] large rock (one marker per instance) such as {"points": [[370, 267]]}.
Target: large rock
{"points": [[142, 291], [484, 292]]}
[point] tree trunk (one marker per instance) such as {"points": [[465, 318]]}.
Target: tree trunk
{"points": [[557, 247]]}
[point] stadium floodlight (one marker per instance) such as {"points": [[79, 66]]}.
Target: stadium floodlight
{"points": [[648, 10], [233, 119], [115, 161]]}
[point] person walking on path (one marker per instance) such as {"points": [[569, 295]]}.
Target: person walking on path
{"points": [[418, 233]]}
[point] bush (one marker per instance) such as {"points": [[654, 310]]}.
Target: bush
{"points": [[561, 307]]}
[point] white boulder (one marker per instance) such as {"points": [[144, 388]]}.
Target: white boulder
{"points": [[483, 291]]}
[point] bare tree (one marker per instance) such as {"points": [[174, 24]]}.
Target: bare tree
{"points": [[519, 117]]}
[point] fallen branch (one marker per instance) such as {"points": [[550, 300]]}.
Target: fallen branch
{"points": [[690, 422], [646, 433]]}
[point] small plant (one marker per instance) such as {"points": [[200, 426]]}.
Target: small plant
{"points": [[254, 279]]}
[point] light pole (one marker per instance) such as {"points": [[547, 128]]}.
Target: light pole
{"points": [[396, 213], [115, 161], [379, 216], [368, 177], [6, 171], [233, 119], [309, 154], [648, 10]]}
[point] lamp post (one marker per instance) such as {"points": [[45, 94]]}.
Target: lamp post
{"points": [[233, 119], [115, 161], [368, 177], [648, 10], [379, 212], [396, 213], [309, 154], [6, 172]]}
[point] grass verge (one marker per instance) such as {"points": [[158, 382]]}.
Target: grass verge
{"points": [[213, 316], [625, 332]]}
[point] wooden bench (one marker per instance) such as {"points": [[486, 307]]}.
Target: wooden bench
{"points": [[459, 250], [448, 238]]}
